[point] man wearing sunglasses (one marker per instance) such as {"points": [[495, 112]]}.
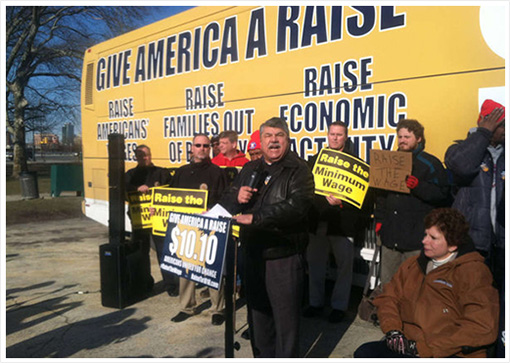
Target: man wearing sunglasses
{"points": [[201, 173]]}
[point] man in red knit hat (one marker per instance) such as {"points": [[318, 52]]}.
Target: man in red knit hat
{"points": [[478, 167], [254, 146]]}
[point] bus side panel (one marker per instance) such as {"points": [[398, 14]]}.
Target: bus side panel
{"points": [[212, 69]]}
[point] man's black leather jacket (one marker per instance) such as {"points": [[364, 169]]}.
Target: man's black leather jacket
{"points": [[279, 208]]}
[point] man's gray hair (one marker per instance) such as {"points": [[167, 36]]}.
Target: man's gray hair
{"points": [[276, 122], [200, 134]]}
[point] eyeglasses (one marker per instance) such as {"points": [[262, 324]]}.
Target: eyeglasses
{"points": [[203, 145]]}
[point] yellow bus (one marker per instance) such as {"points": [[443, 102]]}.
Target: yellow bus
{"points": [[215, 68]]}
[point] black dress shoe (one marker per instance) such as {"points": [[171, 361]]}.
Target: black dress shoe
{"points": [[312, 311], [180, 317], [246, 334], [173, 291], [336, 316], [217, 319]]}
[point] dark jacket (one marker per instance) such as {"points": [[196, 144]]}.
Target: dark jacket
{"points": [[204, 175], [342, 221], [402, 214], [280, 208], [152, 176], [473, 168], [452, 306]]}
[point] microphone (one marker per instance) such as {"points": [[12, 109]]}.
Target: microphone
{"points": [[256, 176], [253, 179]]}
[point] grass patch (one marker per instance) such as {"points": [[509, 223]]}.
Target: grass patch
{"points": [[43, 170], [13, 186], [38, 210]]}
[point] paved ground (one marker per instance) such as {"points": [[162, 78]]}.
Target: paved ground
{"points": [[53, 307], [13, 198]]}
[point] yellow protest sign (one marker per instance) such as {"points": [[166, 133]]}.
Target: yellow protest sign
{"points": [[389, 169], [342, 175], [139, 209], [166, 200], [236, 230]]}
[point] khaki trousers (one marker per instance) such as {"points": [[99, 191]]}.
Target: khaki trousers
{"points": [[188, 302]]}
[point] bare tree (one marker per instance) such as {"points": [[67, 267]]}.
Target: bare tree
{"points": [[45, 47]]}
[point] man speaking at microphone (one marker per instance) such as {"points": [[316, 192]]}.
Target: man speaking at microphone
{"points": [[273, 194]]}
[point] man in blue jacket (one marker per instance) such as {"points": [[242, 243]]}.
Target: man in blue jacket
{"points": [[478, 167]]}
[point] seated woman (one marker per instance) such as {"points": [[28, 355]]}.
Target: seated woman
{"points": [[440, 303]]}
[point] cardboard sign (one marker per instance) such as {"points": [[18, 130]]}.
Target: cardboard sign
{"points": [[166, 200], [342, 175], [195, 247], [388, 169], [139, 209]]}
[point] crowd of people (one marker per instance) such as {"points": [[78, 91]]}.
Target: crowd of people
{"points": [[442, 244]]}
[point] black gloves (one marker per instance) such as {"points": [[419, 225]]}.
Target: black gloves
{"points": [[397, 342]]}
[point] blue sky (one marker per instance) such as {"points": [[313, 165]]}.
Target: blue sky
{"points": [[162, 12], [156, 13]]}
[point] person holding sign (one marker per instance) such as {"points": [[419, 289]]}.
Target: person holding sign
{"points": [[201, 173], [273, 194], [145, 175], [140, 179], [399, 216], [333, 225]]}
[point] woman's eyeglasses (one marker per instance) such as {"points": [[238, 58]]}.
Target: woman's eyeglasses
{"points": [[203, 145]]}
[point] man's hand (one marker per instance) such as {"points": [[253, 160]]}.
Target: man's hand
{"points": [[411, 181], [397, 342], [244, 219], [143, 188], [490, 122], [245, 194], [334, 201]]}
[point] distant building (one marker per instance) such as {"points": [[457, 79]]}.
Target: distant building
{"points": [[68, 134]]}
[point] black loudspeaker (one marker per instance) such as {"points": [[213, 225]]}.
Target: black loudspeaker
{"points": [[116, 188], [122, 280]]}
